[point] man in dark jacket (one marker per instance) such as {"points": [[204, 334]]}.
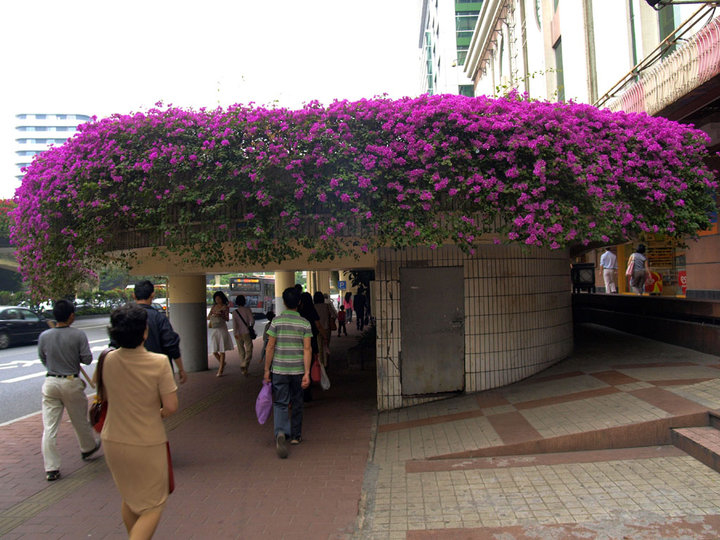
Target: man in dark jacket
{"points": [[359, 305], [161, 336]]}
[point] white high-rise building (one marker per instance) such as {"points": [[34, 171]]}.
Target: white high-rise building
{"points": [[446, 27], [35, 133]]}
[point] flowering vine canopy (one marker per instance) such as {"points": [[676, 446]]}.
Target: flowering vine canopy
{"points": [[256, 185]]}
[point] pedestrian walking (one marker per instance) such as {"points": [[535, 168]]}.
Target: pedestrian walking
{"points": [[270, 315], [220, 340], [287, 366], [61, 350], [324, 318], [359, 305], [161, 339], [637, 270], [341, 321], [141, 392], [243, 321], [608, 262], [348, 305]]}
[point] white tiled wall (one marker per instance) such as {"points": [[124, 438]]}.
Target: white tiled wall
{"points": [[518, 314]]}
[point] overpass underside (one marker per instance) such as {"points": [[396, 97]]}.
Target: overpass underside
{"points": [[447, 322]]}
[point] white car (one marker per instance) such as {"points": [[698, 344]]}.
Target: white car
{"points": [[160, 304]]}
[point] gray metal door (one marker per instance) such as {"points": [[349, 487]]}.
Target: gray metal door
{"points": [[432, 319]]}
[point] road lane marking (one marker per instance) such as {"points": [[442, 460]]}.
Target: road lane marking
{"points": [[24, 377], [19, 363]]}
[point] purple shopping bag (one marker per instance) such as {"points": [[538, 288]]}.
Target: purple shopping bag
{"points": [[263, 403]]}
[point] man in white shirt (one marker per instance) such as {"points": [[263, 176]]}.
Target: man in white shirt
{"points": [[608, 261]]}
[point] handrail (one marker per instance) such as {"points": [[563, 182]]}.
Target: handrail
{"points": [[657, 53]]}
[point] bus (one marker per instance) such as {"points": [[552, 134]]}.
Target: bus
{"points": [[259, 292]]}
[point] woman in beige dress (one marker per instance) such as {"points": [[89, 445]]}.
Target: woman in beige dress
{"points": [[140, 390], [220, 340]]}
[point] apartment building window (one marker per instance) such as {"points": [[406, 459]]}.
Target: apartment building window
{"points": [[40, 116], [429, 55], [462, 52], [465, 20], [466, 90], [559, 79]]}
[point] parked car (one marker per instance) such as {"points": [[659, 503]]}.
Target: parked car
{"points": [[162, 308], [20, 325]]}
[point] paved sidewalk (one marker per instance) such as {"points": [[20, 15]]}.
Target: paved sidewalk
{"points": [[581, 450], [578, 451], [229, 481]]}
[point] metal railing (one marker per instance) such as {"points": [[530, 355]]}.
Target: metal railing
{"points": [[650, 86]]}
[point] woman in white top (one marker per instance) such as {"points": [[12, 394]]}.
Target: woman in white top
{"points": [[220, 340]]}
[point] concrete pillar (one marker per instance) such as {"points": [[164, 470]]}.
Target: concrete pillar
{"points": [[188, 312], [311, 280], [323, 282], [283, 280]]}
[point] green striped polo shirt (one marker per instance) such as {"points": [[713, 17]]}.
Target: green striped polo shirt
{"points": [[289, 329]]}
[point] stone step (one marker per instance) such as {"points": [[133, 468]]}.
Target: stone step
{"points": [[702, 443]]}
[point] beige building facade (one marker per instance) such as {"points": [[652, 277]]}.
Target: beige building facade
{"points": [[626, 56]]}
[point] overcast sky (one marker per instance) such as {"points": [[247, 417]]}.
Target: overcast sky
{"points": [[102, 57]]}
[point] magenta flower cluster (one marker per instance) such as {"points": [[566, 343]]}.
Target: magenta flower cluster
{"points": [[259, 184]]}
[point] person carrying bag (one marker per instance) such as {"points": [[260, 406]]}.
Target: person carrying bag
{"points": [[243, 323]]}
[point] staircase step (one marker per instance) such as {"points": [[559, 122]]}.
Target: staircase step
{"points": [[702, 443]]}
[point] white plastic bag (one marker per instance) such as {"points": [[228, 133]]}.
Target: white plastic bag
{"points": [[324, 379]]}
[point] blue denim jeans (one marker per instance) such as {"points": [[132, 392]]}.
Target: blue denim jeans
{"points": [[287, 390]]}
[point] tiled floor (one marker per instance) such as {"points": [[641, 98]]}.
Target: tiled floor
{"points": [[423, 491], [549, 457]]}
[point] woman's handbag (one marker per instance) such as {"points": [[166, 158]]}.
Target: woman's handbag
{"points": [[315, 373], [97, 414], [99, 407], [171, 476], [263, 403], [630, 266]]}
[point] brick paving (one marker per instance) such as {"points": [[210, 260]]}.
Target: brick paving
{"points": [[229, 481], [581, 450]]}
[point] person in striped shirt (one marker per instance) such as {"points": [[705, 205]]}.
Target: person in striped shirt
{"points": [[287, 366]]}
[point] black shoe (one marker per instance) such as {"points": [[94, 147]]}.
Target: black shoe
{"points": [[86, 455], [296, 440], [52, 475], [280, 446]]}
